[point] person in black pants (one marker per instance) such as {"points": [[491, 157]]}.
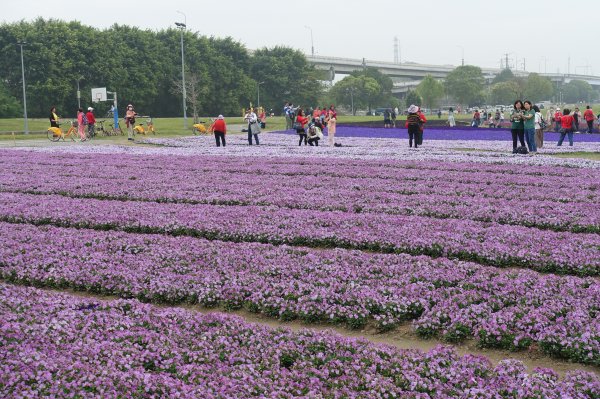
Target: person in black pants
{"points": [[301, 122], [517, 128], [413, 123], [252, 120], [53, 117], [219, 127]]}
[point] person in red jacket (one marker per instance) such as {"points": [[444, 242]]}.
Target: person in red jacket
{"points": [[219, 128], [557, 118], [91, 122], [589, 117], [567, 122], [301, 121]]}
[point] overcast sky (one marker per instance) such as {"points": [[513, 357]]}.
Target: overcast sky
{"points": [[429, 31]]}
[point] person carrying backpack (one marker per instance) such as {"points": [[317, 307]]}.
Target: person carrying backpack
{"points": [[413, 123]]}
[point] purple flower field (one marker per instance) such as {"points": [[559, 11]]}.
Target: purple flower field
{"points": [[495, 250], [448, 133], [449, 299], [55, 345]]}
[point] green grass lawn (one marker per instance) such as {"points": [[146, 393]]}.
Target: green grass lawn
{"points": [[163, 126]]}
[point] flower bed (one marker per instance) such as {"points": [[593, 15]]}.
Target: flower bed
{"points": [[449, 299], [60, 346], [448, 133], [285, 146], [485, 243], [438, 190]]}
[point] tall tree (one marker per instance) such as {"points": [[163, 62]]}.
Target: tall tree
{"points": [[285, 75], [430, 91], [9, 106], [538, 88], [576, 91], [355, 91], [384, 95], [140, 65], [506, 75], [465, 83], [412, 97], [505, 92]]}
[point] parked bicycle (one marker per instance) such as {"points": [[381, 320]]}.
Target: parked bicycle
{"points": [[56, 133], [200, 128], [115, 131], [100, 128], [139, 128]]}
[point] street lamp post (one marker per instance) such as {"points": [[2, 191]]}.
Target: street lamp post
{"points": [[258, 93], [79, 92], [312, 43], [182, 27], [21, 44]]}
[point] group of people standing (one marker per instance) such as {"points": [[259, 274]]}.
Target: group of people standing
{"points": [[310, 126], [555, 118], [528, 124], [83, 120]]}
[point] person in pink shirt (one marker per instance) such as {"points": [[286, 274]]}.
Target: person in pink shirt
{"points": [[80, 125], [331, 125]]}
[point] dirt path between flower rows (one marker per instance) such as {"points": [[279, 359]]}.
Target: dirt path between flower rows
{"points": [[402, 338]]}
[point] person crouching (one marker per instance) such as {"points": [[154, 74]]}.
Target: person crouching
{"points": [[315, 133]]}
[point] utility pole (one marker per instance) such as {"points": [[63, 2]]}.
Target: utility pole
{"points": [[21, 44], [396, 51], [182, 27]]}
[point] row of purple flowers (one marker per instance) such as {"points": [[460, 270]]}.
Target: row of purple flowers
{"points": [[55, 345], [449, 299], [494, 195], [483, 242]]}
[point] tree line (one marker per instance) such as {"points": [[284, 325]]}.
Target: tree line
{"points": [[464, 85], [144, 68]]}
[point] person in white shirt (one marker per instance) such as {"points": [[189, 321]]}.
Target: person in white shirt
{"points": [[539, 132], [451, 120], [253, 127]]}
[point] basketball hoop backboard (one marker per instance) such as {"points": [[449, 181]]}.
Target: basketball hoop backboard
{"points": [[99, 94]]}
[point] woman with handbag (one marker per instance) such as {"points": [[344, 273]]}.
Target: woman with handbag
{"points": [[253, 127], [540, 124], [301, 121]]}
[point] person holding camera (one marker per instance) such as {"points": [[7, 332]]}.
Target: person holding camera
{"points": [[517, 128], [253, 127]]}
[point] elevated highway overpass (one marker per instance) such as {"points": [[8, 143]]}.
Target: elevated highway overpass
{"points": [[407, 75]]}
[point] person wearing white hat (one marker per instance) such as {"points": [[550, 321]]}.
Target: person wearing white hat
{"points": [[219, 128], [91, 122], [413, 123]]}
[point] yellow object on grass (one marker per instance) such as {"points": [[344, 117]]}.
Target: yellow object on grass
{"points": [[200, 127]]}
